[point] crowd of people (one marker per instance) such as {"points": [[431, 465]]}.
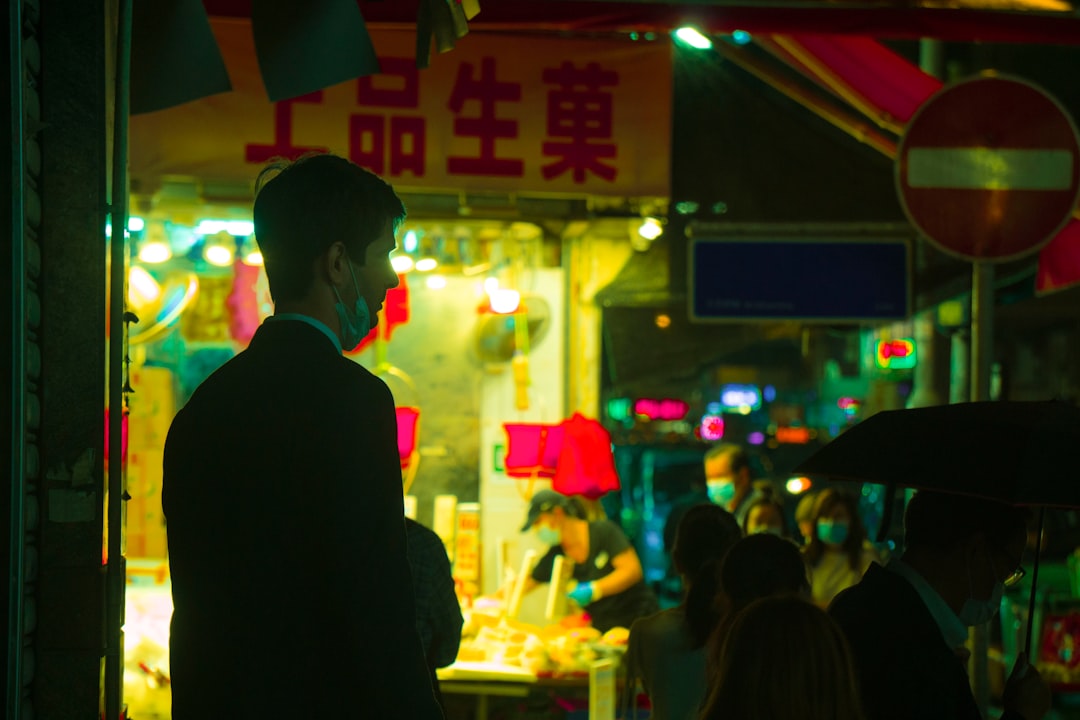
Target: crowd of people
{"points": [[776, 626]]}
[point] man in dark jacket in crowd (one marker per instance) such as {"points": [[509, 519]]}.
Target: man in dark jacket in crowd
{"points": [[282, 491], [438, 611], [907, 622]]}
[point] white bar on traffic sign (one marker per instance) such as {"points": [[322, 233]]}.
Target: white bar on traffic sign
{"points": [[981, 168]]}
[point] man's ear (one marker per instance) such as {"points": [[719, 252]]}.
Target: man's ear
{"points": [[335, 263]]}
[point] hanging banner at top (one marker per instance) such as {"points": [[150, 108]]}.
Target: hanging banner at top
{"points": [[502, 113]]}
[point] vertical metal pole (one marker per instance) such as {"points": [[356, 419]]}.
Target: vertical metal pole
{"points": [[982, 343], [13, 707], [1034, 585], [932, 62], [115, 571], [982, 328], [959, 369]]}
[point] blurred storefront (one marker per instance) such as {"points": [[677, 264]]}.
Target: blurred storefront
{"points": [[525, 183], [554, 179]]}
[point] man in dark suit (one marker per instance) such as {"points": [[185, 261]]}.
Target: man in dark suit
{"points": [[282, 492], [907, 622]]}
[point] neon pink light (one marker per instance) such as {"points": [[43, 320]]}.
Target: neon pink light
{"points": [[666, 409]]}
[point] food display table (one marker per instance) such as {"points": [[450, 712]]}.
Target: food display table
{"points": [[487, 680]]}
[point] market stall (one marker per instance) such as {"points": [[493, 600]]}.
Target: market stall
{"points": [[571, 662]]}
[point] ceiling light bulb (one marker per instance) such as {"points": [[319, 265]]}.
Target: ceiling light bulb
{"points": [[426, 264], [218, 255], [650, 229], [155, 252], [253, 258], [135, 224], [693, 37], [210, 227], [505, 301], [240, 228], [436, 282]]}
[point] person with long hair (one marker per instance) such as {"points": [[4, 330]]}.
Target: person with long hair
{"points": [[756, 567], [838, 553], [766, 515], [666, 650], [784, 659]]}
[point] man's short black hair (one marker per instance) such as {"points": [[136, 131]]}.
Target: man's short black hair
{"points": [[303, 207], [940, 520]]}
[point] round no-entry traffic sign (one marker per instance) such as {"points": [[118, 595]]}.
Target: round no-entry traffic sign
{"points": [[989, 168]]}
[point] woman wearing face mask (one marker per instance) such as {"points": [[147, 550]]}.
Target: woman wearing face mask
{"points": [[766, 515], [837, 553], [610, 583]]}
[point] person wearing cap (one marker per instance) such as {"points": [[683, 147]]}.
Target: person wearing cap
{"points": [[610, 583]]}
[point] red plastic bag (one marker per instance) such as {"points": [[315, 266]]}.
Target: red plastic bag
{"points": [[533, 450], [586, 465]]}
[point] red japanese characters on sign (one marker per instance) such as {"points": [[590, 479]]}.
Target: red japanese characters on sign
{"points": [[389, 144], [578, 112], [496, 114], [487, 127]]}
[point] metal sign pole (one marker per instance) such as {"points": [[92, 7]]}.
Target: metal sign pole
{"points": [[982, 328], [982, 344]]}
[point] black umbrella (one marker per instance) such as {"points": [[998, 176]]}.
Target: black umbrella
{"points": [[1020, 453]]}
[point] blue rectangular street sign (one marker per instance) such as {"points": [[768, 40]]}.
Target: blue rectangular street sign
{"points": [[813, 280]]}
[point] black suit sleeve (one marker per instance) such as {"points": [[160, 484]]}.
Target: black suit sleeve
{"points": [[366, 515]]}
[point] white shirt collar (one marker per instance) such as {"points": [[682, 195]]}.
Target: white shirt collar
{"points": [[952, 628]]}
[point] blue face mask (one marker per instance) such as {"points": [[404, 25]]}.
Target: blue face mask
{"points": [[355, 325], [549, 535], [721, 492], [832, 533]]}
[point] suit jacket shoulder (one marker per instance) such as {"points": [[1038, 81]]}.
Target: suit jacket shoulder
{"points": [[905, 668]]}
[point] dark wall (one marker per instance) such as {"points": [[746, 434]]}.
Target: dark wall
{"points": [[6, 326], [738, 141], [70, 615], [1053, 67]]}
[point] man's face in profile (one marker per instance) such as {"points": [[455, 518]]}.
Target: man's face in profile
{"points": [[377, 275]]}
